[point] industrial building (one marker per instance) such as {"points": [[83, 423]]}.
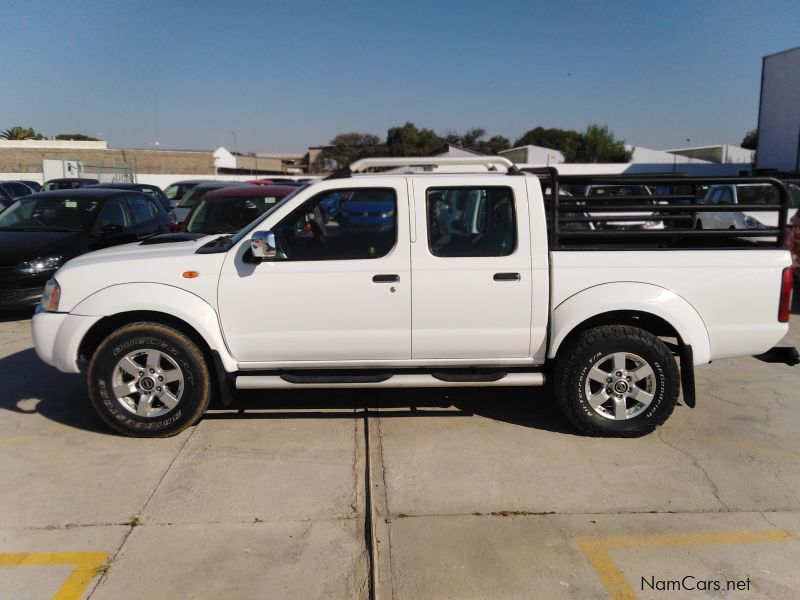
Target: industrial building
{"points": [[779, 113]]}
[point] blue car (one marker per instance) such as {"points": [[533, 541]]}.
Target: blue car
{"points": [[369, 211]]}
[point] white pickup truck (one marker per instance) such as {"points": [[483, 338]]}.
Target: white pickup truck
{"points": [[436, 277]]}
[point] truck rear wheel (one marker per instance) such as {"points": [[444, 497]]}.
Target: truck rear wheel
{"points": [[149, 380], [616, 381]]}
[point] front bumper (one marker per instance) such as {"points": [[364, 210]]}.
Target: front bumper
{"points": [[57, 337]]}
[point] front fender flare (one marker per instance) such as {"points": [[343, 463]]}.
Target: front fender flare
{"points": [[167, 299], [637, 297]]}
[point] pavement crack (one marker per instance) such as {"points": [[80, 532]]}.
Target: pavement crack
{"points": [[385, 490], [696, 463], [135, 520]]}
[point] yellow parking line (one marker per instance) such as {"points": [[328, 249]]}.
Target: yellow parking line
{"points": [[596, 549], [87, 565], [14, 440]]}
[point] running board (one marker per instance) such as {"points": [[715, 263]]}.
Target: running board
{"points": [[264, 382]]}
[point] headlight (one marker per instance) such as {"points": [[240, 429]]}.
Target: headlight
{"points": [[753, 223], [653, 225], [51, 296], [39, 265]]}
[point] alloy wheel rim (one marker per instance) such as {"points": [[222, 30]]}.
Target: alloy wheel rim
{"points": [[148, 383], [620, 386]]}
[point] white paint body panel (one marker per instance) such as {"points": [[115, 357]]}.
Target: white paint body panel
{"points": [[735, 293], [319, 310], [330, 314], [459, 311]]}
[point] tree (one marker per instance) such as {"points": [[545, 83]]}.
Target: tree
{"points": [[564, 140], [598, 145], [473, 139], [750, 140], [349, 147], [20, 133], [77, 137], [497, 143], [408, 140]]}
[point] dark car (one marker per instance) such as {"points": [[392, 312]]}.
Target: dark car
{"points": [[15, 189], [147, 188], [34, 185], [176, 191], [5, 200], [40, 232], [228, 210], [67, 183], [193, 196]]}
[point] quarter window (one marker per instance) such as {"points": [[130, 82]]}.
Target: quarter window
{"points": [[140, 209], [471, 221], [346, 224]]}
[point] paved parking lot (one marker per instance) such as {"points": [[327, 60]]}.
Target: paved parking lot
{"points": [[472, 494]]}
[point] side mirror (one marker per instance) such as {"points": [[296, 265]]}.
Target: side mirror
{"points": [[263, 246], [111, 229]]}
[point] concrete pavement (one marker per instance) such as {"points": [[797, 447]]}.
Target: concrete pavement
{"points": [[472, 494]]}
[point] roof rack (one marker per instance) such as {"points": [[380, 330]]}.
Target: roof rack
{"points": [[490, 162]]}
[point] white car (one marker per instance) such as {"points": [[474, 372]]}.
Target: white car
{"points": [[406, 299], [747, 194]]}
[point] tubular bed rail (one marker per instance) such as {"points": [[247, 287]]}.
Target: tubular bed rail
{"points": [[580, 217]]}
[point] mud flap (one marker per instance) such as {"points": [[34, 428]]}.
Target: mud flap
{"points": [[224, 380], [687, 375]]}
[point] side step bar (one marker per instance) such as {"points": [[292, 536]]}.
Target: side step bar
{"points": [[421, 380]]}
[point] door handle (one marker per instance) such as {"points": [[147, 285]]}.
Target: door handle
{"points": [[507, 277], [385, 278]]}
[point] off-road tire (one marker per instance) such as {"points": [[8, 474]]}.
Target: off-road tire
{"points": [[577, 358], [167, 340]]}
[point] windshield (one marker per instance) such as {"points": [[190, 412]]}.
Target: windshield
{"points": [[239, 236], [228, 215], [189, 198], [50, 214], [794, 196]]}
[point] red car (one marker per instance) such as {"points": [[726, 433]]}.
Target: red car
{"points": [[227, 210], [793, 243]]}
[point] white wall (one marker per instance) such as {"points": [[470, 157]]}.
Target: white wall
{"points": [[696, 169], [779, 114]]}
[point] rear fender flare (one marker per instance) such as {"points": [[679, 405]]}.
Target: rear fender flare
{"points": [[635, 297]]}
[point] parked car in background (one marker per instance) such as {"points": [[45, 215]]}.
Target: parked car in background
{"points": [[155, 191], [619, 194], [754, 193], [368, 211], [67, 183], [5, 200], [192, 196], [176, 191], [34, 185], [793, 243], [228, 210], [15, 189], [40, 232]]}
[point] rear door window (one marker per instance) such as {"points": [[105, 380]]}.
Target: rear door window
{"points": [[471, 221]]}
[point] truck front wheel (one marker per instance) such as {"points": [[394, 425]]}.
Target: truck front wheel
{"points": [[617, 381], [149, 380]]}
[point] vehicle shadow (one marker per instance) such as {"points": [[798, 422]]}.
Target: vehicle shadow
{"points": [[28, 386], [523, 406]]}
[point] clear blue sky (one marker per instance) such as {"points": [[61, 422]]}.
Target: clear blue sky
{"points": [[286, 75]]}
